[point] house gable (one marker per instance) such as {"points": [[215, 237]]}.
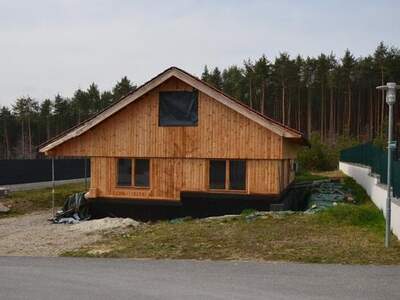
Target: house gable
{"points": [[192, 81], [133, 131]]}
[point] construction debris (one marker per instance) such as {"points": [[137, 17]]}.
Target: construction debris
{"points": [[326, 194], [74, 210]]}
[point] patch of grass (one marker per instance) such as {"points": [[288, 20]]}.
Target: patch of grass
{"points": [[343, 234], [357, 191], [247, 212], [39, 199], [365, 215], [307, 176]]}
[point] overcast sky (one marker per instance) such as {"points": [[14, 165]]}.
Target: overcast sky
{"points": [[49, 47]]}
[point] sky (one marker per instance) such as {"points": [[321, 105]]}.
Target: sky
{"points": [[57, 46]]}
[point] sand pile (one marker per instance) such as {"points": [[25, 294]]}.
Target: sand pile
{"points": [[105, 224]]}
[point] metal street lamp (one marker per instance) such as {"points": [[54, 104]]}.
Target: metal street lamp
{"points": [[390, 89]]}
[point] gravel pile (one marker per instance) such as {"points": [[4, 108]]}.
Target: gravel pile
{"points": [[105, 224], [34, 235]]}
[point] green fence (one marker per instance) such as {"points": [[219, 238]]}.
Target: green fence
{"points": [[370, 155]]}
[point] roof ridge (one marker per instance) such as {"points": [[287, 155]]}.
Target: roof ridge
{"points": [[46, 143]]}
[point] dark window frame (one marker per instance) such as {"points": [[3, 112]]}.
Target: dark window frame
{"points": [[209, 174], [244, 173], [196, 94], [133, 173], [118, 179], [227, 186]]}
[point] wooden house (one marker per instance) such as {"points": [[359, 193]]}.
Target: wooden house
{"points": [[176, 134]]}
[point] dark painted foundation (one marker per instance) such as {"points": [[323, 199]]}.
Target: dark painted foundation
{"points": [[197, 205]]}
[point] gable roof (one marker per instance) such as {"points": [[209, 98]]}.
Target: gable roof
{"points": [[191, 80]]}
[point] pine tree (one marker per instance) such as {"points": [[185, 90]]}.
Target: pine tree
{"points": [[46, 111], [122, 88]]}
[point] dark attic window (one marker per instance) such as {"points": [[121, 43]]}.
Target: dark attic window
{"points": [[178, 108]]}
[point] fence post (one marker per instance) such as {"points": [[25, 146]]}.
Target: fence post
{"points": [[53, 186]]}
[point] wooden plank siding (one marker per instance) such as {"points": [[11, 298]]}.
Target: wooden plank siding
{"points": [[179, 156], [171, 176], [134, 132]]}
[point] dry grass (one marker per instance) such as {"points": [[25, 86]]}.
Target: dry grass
{"points": [[39, 199], [320, 238], [330, 174]]}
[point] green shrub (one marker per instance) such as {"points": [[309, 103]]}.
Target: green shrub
{"points": [[366, 215], [359, 194], [323, 156]]}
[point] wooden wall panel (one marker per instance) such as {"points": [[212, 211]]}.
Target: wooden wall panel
{"points": [[264, 176], [134, 132], [194, 175], [169, 177]]}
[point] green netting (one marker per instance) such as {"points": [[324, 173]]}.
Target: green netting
{"points": [[370, 155]]}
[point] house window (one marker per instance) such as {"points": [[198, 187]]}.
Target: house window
{"points": [[124, 172], [178, 108], [142, 167], [219, 171], [237, 174], [217, 174]]}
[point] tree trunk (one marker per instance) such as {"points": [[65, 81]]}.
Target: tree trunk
{"points": [[22, 139], [309, 113], [358, 114], [322, 112], [371, 116], [251, 95], [289, 109], [29, 137], [382, 105], [298, 109], [283, 104], [6, 140], [47, 128], [349, 110], [331, 116], [262, 104]]}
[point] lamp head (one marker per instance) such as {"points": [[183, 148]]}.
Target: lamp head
{"points": [[390, 89]]}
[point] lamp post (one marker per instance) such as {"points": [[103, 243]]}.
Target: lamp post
{"points": [[390, 89]]}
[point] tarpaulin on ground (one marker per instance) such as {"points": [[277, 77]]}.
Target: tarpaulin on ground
{"points": [[75, 208]]}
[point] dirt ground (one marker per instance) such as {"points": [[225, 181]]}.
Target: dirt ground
{"points": [[34, 235]]}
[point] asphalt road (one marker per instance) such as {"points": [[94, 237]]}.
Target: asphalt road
{"points": [[71, 278]]}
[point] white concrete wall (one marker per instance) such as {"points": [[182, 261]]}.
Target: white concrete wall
{"points": [[376, 190]]}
